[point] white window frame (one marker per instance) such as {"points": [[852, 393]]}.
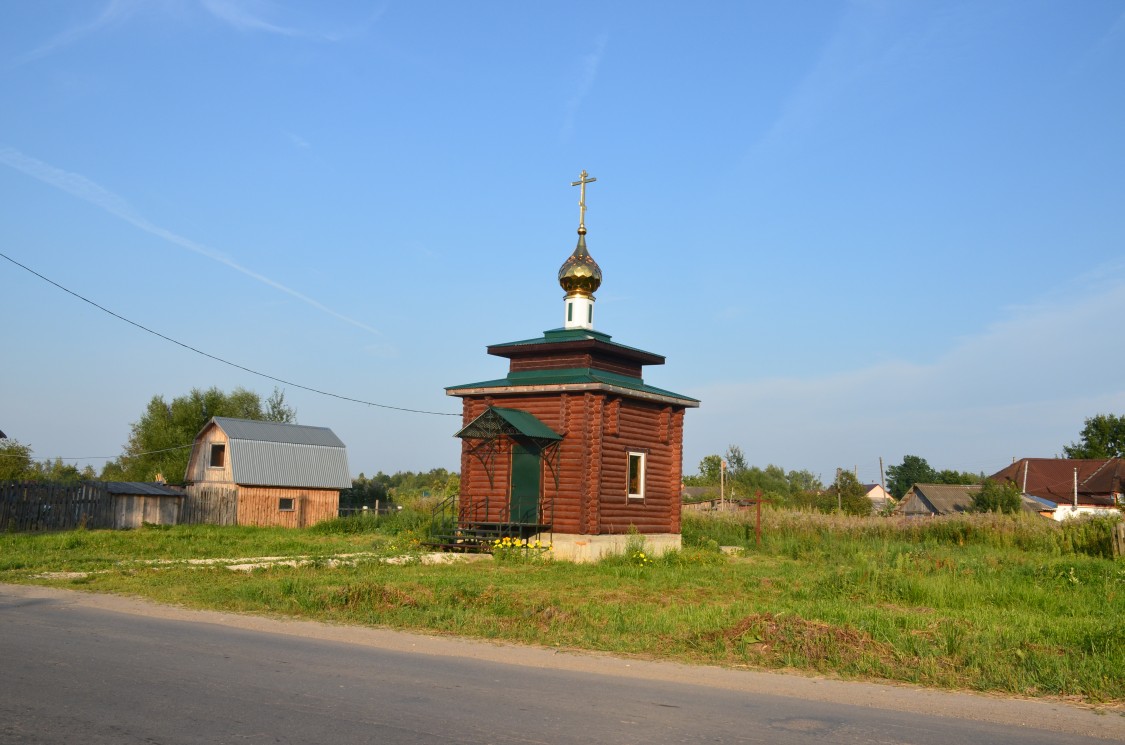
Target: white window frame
{"points": [[641, 457]]}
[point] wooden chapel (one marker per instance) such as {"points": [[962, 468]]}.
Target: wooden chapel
{"points": [[572, 447]]}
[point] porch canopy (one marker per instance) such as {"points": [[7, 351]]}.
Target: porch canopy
{"points": [[496, 422]]}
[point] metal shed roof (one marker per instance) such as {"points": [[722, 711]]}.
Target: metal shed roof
{"points": [[295, 434], [142, 488], [285, 455]]}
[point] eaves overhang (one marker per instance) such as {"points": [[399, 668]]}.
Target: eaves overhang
{"points": [[571, 340], [574, 380]]}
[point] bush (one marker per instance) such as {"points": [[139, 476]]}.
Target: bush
{"points": [[995, 496]]}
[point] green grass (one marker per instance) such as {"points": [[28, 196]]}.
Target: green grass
{"points": [[985, 603]]}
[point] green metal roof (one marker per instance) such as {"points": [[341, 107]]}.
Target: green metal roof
{"points": [[557, 336], [512, 422], [572, 376]]}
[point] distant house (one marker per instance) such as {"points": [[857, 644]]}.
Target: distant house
{"points": [[287, 475], [1065, 487], [880, 498], [927, 500]]}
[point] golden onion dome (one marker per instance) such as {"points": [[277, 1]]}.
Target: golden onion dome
{"points": [[580, 274]]}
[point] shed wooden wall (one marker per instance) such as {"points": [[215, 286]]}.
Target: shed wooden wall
{"points": [[198, 470], [134, 510], [599, 430], [258, 505]]}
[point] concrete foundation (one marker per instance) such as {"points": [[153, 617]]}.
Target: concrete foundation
{"points": [[588, 548]]}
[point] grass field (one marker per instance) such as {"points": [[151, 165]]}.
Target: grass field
{"points": [[988, 603]]}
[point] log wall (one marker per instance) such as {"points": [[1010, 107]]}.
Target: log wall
{"points": [[567, 360], [599, 431]]}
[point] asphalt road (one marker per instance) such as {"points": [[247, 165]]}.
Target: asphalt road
{"points": [[78, 668]]}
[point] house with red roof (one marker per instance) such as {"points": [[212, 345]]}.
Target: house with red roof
{"points": [[1069, 487]]}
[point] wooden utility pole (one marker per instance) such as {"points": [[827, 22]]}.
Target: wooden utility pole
{"points": [[758, 527], [839, 498], [722, 485]]}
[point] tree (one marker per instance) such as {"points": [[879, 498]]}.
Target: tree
{"points": [[277, 411], [800, 481], [948, 476], [736, 461], [770, 480], [365, 491], [849, 495], [708, 472], [1103, 436], [15, 460], [16, 464], [57, 471], [913, 470], [160, 442], [996, 496]]}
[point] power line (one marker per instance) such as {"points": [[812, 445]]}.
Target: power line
{"points": [[104, 457], [220, 359]]}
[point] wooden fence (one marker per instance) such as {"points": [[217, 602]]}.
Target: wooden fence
{"points": [[213, 505], [46, 506], [34, 506], [1119, 539]]}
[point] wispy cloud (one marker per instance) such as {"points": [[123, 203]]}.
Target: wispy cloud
{"points": [[79, 186], [588, 76], [237, 15], [297, 140], [1020, 387], [112, 13], [858, 46], [256, 16]]}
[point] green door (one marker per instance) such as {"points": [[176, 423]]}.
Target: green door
{"points": [[525, 485]]}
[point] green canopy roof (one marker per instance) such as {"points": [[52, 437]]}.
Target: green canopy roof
{"points": [[496, 421]]}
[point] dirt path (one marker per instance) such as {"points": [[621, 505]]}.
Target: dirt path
{"points": [[1052, 715]]}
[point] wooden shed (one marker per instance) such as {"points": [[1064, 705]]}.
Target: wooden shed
{"points": [[572, 445], [136, 503], [287, 475]]}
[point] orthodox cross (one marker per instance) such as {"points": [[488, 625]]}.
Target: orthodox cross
{"points": [[582, 181]]}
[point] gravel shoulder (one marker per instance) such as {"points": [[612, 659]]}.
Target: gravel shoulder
{"points": [[1043, 714]]}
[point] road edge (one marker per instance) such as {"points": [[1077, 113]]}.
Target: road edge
{"points": [[1042, 714]]}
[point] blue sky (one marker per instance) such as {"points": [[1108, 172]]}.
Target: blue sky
{"points": [[855, 229]]}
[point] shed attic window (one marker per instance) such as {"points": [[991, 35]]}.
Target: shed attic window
{"points": [[285, 504], [218, 455], [636, 475]]}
